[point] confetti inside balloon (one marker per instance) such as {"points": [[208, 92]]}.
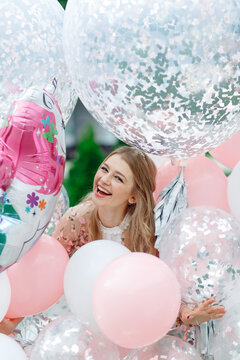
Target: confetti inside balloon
{"points": [[67, 338], [168, 348], [226, 344], [163, 77], [31, 52], [202, 246]]}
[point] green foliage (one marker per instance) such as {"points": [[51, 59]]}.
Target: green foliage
{"points": [[89, 156], [63, 3]]}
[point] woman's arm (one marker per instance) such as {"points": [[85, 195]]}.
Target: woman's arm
{"points": [[8, 325], [71, 230], [205, 312]]}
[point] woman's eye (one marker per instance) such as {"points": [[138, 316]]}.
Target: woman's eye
{"points": [[118, 178], [104, 168]]}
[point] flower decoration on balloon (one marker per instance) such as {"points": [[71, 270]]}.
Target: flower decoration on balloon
{"points": [[32, 159], [163, 78]]}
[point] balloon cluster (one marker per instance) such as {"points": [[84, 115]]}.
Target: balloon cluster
{"points": [[163, 78]]}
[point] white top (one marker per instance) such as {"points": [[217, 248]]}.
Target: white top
{"points": [[115, 233]]}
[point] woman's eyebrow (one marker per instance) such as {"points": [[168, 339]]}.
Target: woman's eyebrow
{"points": [[105, 164], [119, 173]]}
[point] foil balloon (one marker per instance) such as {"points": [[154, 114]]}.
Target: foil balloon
{"points": [[163, 77], [66, 338], [168, 348], [31, 52], [202, 246], [32, 159]]}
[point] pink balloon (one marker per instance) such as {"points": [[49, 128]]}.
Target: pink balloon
{"points": [[136, 300], [206, 182], [228, 153], [37, 278]]}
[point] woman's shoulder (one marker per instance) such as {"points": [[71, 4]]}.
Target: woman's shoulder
{"points": [[81, 209]]}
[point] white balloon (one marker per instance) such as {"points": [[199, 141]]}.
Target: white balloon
{"points": [[5, 291], [82, 271], [10, 349], [233, 191]]}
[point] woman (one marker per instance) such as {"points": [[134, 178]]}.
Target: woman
{"points": [[120, 208]]}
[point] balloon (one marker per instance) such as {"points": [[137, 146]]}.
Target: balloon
{"points": [[226, 344], [136, 299], [81, 273], [37, 278], [28, 329], [61, 207], [168, 348], [32, 159], [206, 182], [233, 191], [201, 245], [67, 338], [32, 52], [228, 153], [154, 76], [5, 290], [10, 349]]}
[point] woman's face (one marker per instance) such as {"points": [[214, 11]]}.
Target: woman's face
{"points": [[113, 184]]}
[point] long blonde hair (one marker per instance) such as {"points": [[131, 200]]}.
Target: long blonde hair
{"points": [[139, 236]]}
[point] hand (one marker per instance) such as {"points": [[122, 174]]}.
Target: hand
{"points": [[205, 312], [8, 325]]}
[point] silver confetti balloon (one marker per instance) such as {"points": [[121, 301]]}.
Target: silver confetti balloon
{"points": [[168, 348], [29, 328], [67, 338], [31, 52], [161, 76], [202, 246], [226, 344]]}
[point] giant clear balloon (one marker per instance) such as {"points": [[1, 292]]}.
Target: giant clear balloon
{"points": [[226, 344], [201, 245], [31, 52], [67, 338], [163, 77], [168, 348]]}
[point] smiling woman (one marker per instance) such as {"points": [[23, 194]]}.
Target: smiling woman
{"points": [[119, 208]]}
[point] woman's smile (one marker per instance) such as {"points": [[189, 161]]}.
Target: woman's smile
{"points": [[101, 192]]}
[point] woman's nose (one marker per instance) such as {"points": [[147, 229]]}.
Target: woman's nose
{"points": [[106, 178]]}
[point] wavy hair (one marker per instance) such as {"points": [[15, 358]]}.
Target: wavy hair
{"points": [[139, 236]]}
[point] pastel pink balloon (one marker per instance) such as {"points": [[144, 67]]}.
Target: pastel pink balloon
{"points": [[206, 182], [136, 299], [37, 278], [228, 153]]}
